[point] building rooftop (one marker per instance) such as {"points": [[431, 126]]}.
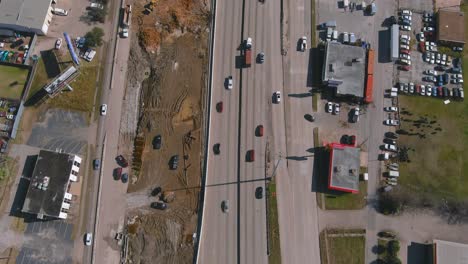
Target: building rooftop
{"points": [[450, 252], [27, 13], [345, 68], [49, 201], [344, 168], [451, 26]]}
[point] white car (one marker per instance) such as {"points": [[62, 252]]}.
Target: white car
{"points": [[277, 96], [404, 41], [406, 12], [404, 47], [329, 107], [303, 43], [88, 239], [229, 82], [421, 36], [337, 109], [392, 122], [404, 36], [457, 49], [407, 17], [96, 6], [405, 56], [427, 59], [423, 89], [225, 206], [10, 117], [457, 76], [405, 61], [59, 12], [457, 81], [124, 33], [428, 29], [429, 90], [390, 109], [390, 147], [427, 15], [248, 43], [103, 109], [444, 56], [430, 72], [58, 43], [428, 19], [405, 28]]}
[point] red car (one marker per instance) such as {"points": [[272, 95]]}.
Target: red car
{"points": [[259, 131], [219, 107], [422, 48], [405, 51], [121, 161], [404, 68], [352, 140], [250, 155]]}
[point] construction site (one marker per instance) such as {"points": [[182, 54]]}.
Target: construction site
{"points": [[165, 96]]}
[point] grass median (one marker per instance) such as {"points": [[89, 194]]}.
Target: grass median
{"points": [[273, 226], [342, 246]]}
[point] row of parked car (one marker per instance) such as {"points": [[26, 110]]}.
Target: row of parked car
{"points": [[428, 90], [405, 20]]}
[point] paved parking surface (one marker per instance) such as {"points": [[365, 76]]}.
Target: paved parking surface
{"points": [[47, 242], [418, 6]]}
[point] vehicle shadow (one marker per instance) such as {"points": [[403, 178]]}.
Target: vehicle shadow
{"points": [[300, 95]]}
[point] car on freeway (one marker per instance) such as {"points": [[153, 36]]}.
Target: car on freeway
{"points": [[121, 161], [174, 162], [104, 109], [404, 68], [259, 192], [303, 43], [390, 109], [404, 47], [259, 131], [336, 109], [277, 97], [428, 29], [390, 147], [217, 148], [250, 157], [96, 164], [124, 177], [229, 82], [405, 28], [261, 57], [430, 72], [219, 107], [117, 173], [392, 122], [225, 206], [58, 43], [329, 107], [159, 205], [88, 239], [157, 142]]}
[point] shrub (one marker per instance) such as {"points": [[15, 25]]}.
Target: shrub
{"points": [[94, 37]]}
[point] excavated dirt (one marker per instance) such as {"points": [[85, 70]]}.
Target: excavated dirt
{"points": [[165, 91]]}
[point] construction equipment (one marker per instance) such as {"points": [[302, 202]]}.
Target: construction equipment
{"points": [[150, 6]]}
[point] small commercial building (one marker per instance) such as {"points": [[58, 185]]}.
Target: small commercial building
{"points": [[32, 16], [48, 194], [344, 70], [344, 168], [451, 28], [394, 42], [449, 252]]}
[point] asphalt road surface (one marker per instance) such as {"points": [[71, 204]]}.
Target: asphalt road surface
{"points": [[239, 236]]}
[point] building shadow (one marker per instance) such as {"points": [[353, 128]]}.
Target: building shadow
{"points": [[51, 63], [420, 253], [320, 170], [23, 186], [314, 69]]}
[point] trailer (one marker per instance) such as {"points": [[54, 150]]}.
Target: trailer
{"points": [[127, 16]]}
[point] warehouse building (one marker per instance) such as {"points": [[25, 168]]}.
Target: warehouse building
{"points": [[394, 42], [449, 252], [26, 15], [344, 70], [48, 194], [450, 28], [343, 174]]}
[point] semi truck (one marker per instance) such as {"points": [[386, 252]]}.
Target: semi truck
{"points": [[248, 52], [127, 16]]}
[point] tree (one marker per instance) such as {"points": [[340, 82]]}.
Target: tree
{"points": [[393, 247], [94, 37], [98, 14], [392, 260]]}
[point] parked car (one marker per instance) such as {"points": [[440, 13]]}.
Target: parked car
{"points": [[88, 239], [250, 155], [157, 142], [405, 56], [96, 164], [58, 43], [404, 41], [430, 72], [329, 107], [390, 109], [174, 162], [405, 51], [390, 147], [389, 141], [405, 62], [406, 12], [336, 108], [261, 57], [104, 109], [10, 117], [457, 76], [404, 47], [117, 173], [392, 122], [277, 97], [217, 148], [423, 90], [356, 113], [124, 178], [225, 206], [303, 43], [391, 135], [59, 12], [219, 107], [96, 6], [159, 205], [121, 161], [229, 82], [259, 192], [428, 29], [405, 28], [457, 49], [420, 36], [259, 131], [429, 79]]}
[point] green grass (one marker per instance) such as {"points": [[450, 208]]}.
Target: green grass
{"points": [[347, 201], [274, 235], [13, 80], [316, 137], [341, 248]]}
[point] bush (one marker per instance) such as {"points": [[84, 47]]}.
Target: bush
{"points": [[392, 260], [94, 37], [393, 247]]}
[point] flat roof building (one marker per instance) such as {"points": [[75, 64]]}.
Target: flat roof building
{"points": [[344, 69], [449, 252], [394, 42], [451, 28], [26, 15], [344, 168], [47, 195]]}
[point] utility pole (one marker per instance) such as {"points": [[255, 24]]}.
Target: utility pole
{"points": [[280, 157]]}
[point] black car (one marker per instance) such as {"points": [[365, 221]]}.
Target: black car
{"points": [[157, 141], [159, 205], [259, 192], [216, 148], [440, 68], [124, 178], [96, 164], [391, 135], [261, 57], [121, 161], [156, 191], [174, 163]]}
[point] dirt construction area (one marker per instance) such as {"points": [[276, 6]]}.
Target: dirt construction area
{"points": [[166, 80]]}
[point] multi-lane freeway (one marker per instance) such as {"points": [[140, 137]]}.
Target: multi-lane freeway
{"points": [[240, 236]]}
